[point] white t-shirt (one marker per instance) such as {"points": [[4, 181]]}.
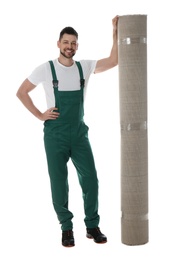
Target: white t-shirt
{"points": [[68, 77]]}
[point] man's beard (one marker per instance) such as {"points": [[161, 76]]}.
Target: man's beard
{"points": [[66, 55]]}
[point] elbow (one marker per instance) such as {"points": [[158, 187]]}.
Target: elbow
{"points": [[116, 60], [18, 94], [23, 90], [114, 63]]}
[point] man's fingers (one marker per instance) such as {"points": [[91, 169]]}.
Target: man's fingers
{"points": [[52, 109]]}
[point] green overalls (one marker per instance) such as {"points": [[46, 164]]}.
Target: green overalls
{"points": [[64, 138]]}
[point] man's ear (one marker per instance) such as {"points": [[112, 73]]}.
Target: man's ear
{"points": [[58, 44]]}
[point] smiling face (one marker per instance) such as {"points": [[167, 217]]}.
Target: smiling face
{"points": [[68, 45]]}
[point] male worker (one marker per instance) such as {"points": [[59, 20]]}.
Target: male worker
{"points": [[65, 133]]}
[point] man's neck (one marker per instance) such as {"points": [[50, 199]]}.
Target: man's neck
{"points": [[64, 61]]}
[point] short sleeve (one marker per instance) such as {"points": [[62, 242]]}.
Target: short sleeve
{"points": [[38, 75]]}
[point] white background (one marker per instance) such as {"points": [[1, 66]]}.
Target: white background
{"points": [[28, 225]]}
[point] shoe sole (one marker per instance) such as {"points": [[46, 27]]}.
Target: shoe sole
{"points": [[69, 245]]}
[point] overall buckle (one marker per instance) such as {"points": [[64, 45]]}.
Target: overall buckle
{"points": [[82, 81], [55, 83]]}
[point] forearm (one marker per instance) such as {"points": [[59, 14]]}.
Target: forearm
{"points": [[23, 95], [114, 51], [112, 60], [109, 62], [28, 103]]}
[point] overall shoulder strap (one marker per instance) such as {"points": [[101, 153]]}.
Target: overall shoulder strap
{"points": [[55, 80], [82, 80]]}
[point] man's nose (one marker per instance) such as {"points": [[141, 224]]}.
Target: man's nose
{"points": [[70, 45]]}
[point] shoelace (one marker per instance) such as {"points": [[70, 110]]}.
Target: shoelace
{"points": [[95, 232], [98, 230]]}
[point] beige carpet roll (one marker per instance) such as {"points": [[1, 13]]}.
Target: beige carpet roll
{"points": [[132, 44]]}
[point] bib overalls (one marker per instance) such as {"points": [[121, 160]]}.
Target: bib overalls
{"points": [[64, 138]]}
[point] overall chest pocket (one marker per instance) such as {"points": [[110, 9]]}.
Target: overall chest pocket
{"points": [[71, 105], [71, 98]]}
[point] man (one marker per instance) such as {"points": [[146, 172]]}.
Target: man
{"points": [[65, 133]]}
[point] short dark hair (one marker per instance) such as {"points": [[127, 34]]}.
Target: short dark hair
{"points": [[68, 30]]}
